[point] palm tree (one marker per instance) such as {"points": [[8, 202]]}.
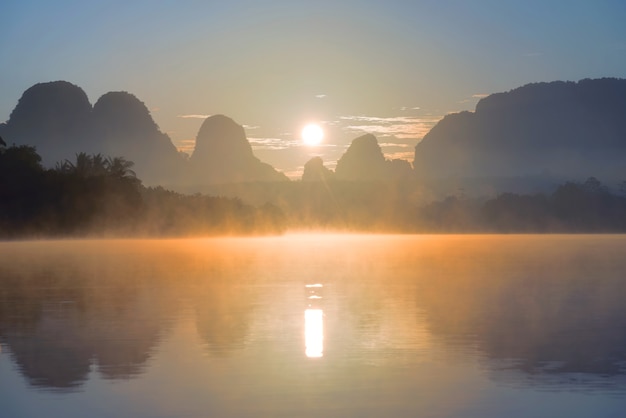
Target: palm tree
{"points": [[120, 167], [85, 166], [99, 165]]}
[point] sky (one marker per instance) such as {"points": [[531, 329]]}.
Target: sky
{"points": [[391, 68]]}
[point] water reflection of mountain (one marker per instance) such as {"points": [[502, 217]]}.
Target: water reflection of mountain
{"points": [[557, 310], [57, 328], [70, 308], [223, 313]]}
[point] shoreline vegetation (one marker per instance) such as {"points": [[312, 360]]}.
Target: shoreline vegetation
{"points": [[101, 197]]}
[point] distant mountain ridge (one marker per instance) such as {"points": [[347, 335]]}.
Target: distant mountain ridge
{"points": [[566, 129]]}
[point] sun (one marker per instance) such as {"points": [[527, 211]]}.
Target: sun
{"points": [[312, 134]]}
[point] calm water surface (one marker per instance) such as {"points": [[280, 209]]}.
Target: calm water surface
{"points": [[315, 326]]}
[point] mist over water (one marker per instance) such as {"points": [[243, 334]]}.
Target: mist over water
{"points": [[315, 325]]}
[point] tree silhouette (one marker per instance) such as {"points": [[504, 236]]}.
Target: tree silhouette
{"points": [[120, 168], [85, 166]]}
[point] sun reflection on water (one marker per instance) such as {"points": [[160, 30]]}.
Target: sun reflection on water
{"points": [[314, 333], [314, 322]]}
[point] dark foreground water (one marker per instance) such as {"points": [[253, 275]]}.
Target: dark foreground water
{"points": [[315, 326]]}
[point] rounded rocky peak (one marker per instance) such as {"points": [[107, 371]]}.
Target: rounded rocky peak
{"points": [[366, 148], [219, 135], [367, 140], [53, 104], [218, 126], [363, 160], [314, 163], [124, 111], [314, 170]]}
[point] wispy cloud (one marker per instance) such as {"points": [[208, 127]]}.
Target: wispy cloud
{"points": [[394, 145], [480, 95], [280, 144], [295, 174], [401, 127], [194, 116], [251, 127], [401, 155], [320, 96], [271, 143], [185, 145]]}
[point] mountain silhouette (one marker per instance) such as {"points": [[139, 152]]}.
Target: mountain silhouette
{"points": [[123, 126], [568, 129], [364, 161], [223, 154], [54, 117], [314, 170]]}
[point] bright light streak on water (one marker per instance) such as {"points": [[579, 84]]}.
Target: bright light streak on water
{"points": [[314, 333]]}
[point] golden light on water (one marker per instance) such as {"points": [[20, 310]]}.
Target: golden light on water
{"points": [[314, 321], [314, 333]]}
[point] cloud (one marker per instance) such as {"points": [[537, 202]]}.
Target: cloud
{"points": [[251, 127], [271, 143], [480, 95], [400, 127], [295, 174], [194, 116], [185, 145], [320, 96], [401, 155], [393, 144], [274, 144]]}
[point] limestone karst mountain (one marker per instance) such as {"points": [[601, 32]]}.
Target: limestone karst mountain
{"points": [[570, 130], [123, 126], [365, 161], [222, 154], [55, 118], [314, 170], [58, 120]]}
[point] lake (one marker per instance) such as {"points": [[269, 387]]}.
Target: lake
{"points": [[315, 325]]}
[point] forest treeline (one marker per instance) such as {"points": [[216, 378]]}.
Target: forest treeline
{"points": [[95, 195], [101, 196], [573, 207]]}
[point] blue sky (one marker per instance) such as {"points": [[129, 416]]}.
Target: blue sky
{"points": [[392, 68]]}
